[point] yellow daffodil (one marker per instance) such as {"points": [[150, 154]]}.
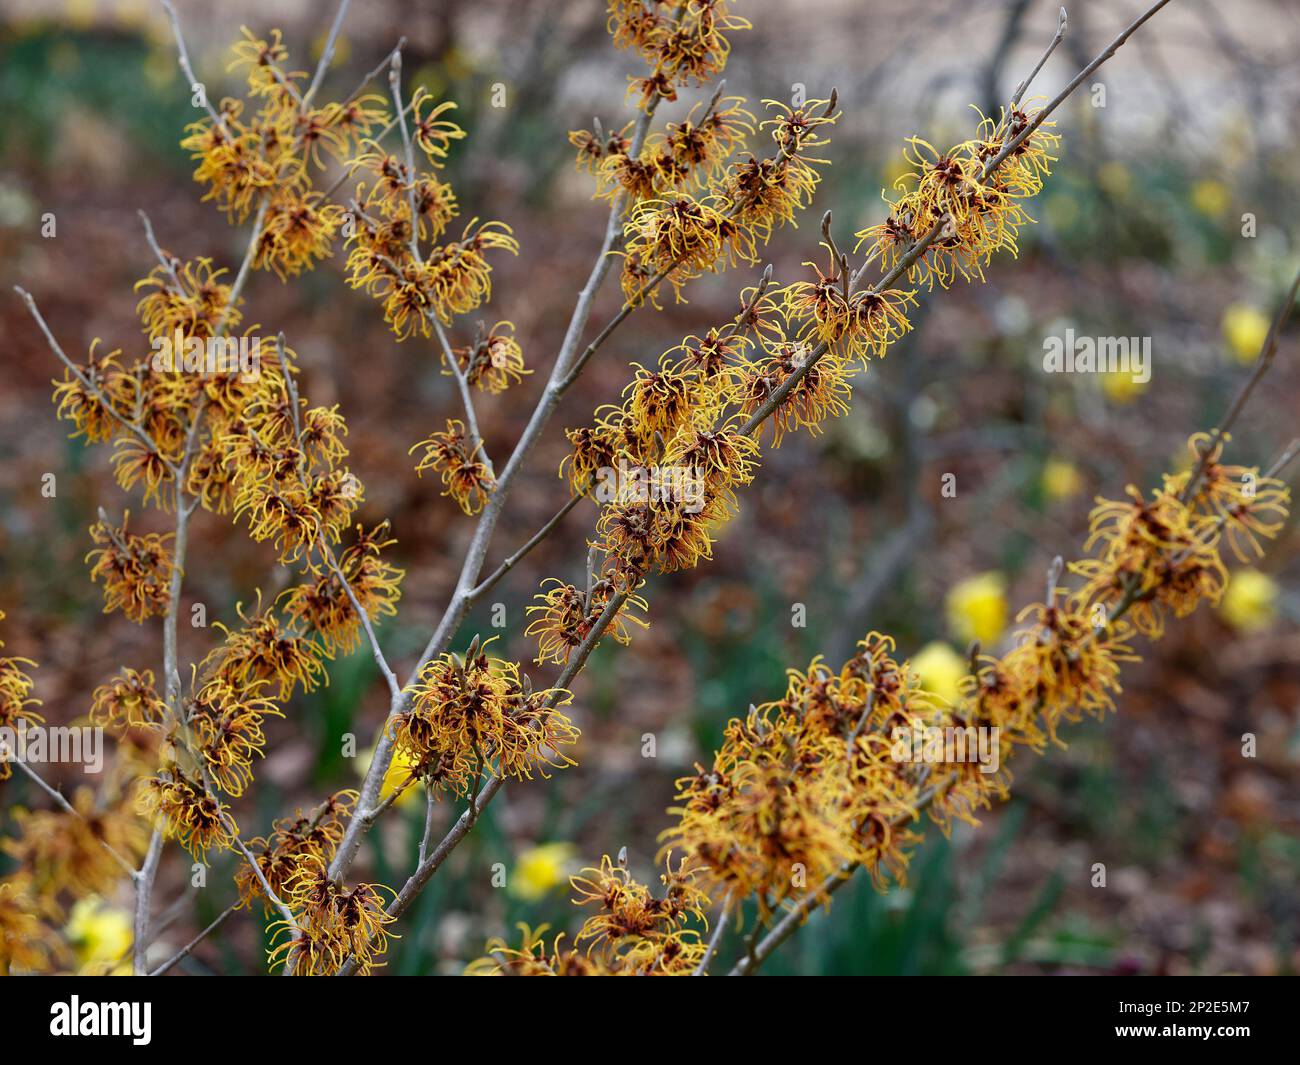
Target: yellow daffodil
{"points": [[540, 869], [1211, 198], [1250, 602], [977, 608], [1115, 178], [940, 670], [1121, 387], [399, 772], [1244, 328], [101, 935], [1060, 479]]}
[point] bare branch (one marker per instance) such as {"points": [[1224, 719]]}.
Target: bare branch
{"points": [[89, 385], [186, 950], [466, 399], [1018, 95], [327, 55], [488, 582], [183, 57], [143, 896], [1267, 353]]}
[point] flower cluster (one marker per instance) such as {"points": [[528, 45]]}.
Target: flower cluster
{"points": [[15, 698], [688, 154], [674, 235], [681, 41], [128, 701], [224, 724], [693, 197], [805, 785], [292, 839], [331, 924], [566, 615], [457, 461], [478, 715], [28, 940], [286, 479], [969, 208], [191, 297], [854, 324], [632, 931], [96, 397], [322, 604], [136, 569], [264, 152], [397, 209], [1160, 554], [495, 361], [185, 810], [64, 850], [834, 775]]}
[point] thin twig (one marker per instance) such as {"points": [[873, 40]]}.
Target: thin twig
{"points": [[395, 87], [466, 398], [1267, 353], [703, 968], [168, 261], [427, 836], [1074, 83], [394, 688], [1018, 95], [326, 56], [514, 559], [186, 950], [88, 384], [183, 57], [370, 76]]}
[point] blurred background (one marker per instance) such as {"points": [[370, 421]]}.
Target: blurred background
{"points": [[1141, 234]]}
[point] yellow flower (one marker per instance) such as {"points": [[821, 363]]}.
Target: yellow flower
{"points": [[1250, 603], [1061, 479], [1244, 328], [940, 670], [1115, 179], [101, 934], [540, 869], [1210, 197], [977, 608], [399, 772], [1121, 387]]}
